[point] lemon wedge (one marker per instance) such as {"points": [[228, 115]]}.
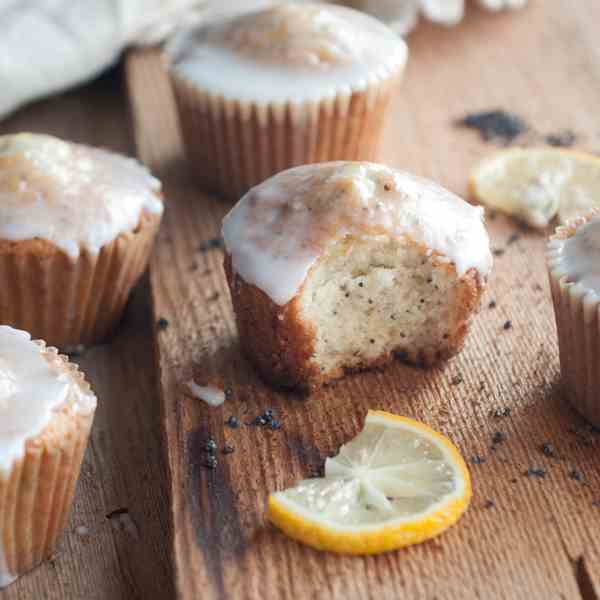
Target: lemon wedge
{"points": [[397, 483], [536, 184]]}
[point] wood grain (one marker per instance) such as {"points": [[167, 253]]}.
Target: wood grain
{"points": [[538, 539], [106, 554]]}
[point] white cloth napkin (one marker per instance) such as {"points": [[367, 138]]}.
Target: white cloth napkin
{"points": [[49, 45]]}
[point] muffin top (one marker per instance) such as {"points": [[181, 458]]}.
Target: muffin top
{"points": [[288, 52], [35, 383], [279, 229], [71, 195], [574, 253]]}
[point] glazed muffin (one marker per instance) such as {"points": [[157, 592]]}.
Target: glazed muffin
{"points": [[341, 266], [46, 412], [77, 226], [573, 258], [285, 86]]}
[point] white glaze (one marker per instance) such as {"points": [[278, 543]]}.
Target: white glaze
{"points": [[71, 195], [288, 53], [278, 230], [577, 258], [213, 396], [33, 384]]}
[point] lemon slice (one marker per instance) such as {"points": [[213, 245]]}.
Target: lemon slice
{"points": [[534, 184], [397, 483]]}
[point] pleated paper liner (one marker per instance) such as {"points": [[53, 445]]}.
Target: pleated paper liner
{"points": [[234, 145], [577, 312], [70, 303], [37, 494]]}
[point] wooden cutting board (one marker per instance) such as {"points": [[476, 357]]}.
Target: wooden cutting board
{"points": [[524, 536]]}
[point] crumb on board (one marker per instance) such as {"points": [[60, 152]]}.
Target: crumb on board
{"points": [[212, 395]]}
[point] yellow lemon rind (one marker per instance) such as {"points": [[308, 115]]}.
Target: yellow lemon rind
{"points": [[387, 537]]}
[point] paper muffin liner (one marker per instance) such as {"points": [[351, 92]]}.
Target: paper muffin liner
{"points": [[577, 312], [71, 303], [234, 145], [37, 494]]}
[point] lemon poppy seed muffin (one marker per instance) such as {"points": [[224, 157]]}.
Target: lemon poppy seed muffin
{"points": [[76, 228], [340, 266], [284, 86], [573, 259], [46, 412]]}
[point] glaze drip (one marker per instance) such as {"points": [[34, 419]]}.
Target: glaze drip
{"points": [[72, 195], [577, 258], [288, 52], [280, 228], [33, 384]]}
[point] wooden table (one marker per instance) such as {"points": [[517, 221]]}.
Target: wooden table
{"points": [[524, 536]]}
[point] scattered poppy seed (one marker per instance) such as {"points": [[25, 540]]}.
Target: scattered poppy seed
{"points": [[535, 472], [498, 251], [266, 419], [457, 380], [372, 341], [499, 437], [489, 504], [515, 237], [162, 324], [76, 351], [228, 393], [577, 475], [548, 450], [507, 325], [210, 462], [233, 422], [562, 139], [387, 187], [212, 244], [492, 304], [227, 449], [477, 460], [494, 125], [211, 446], [360, 284]]}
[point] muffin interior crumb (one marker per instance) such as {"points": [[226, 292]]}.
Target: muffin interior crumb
{"points": [[370, 297]]}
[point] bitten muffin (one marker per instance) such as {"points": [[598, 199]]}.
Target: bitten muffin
{"points": [[285, 86], [573, 258], [46, 412], [340, 266], [77, 226]]}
